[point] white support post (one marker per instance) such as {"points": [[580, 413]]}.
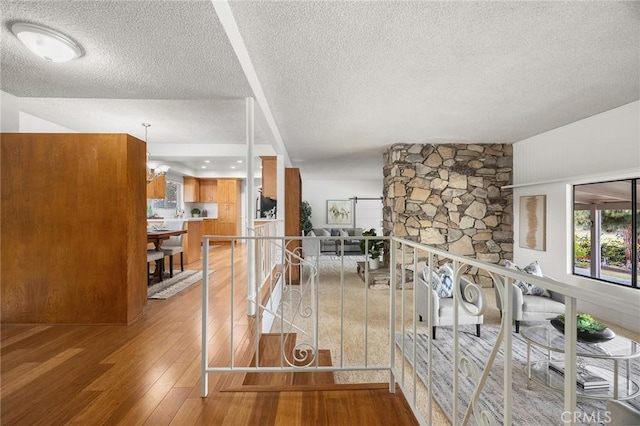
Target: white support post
{"points": [[507, 324], [392, 314], [280, 200], [251, 208], [596, 248], [205, 318]]}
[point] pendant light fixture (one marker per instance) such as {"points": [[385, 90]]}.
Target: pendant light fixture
{"points": [[154, 169]]}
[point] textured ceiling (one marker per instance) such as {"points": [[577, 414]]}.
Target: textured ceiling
{"points": [[343, 80]]}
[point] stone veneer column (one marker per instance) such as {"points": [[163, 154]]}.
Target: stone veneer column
{"points": [[451, 197]]}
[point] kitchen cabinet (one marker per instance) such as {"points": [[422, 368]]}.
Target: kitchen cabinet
{"points": [[191, 190], [269, 177], [208, 191], [229, 207], [156, 188], [210, 227], [228, 191]]}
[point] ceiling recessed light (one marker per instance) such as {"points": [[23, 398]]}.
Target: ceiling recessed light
{"points": [[204, 167], [240, 161], [207, 161], [233, 167], [46, 43]]}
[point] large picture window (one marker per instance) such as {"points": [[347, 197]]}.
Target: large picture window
{"points": [[606, 234]]}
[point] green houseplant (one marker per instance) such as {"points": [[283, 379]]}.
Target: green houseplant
{"points": [[195, 212], [588, 328], [373, 247], [305, 217]]}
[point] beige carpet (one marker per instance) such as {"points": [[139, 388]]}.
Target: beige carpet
{"points": [[346, 293]]}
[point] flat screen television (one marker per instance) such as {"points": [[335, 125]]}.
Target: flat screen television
{"points": [[267, 204]]}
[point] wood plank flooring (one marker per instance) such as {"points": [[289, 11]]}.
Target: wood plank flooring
{"points": [[149, 371]]}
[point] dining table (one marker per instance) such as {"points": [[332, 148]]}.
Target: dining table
{"points": [[157, 237]]}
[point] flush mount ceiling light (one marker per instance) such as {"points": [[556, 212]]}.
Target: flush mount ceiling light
{"points": [[48, 44], [154, 169]]}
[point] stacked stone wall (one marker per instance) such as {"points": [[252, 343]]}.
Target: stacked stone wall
{"points": [[452, 197]]}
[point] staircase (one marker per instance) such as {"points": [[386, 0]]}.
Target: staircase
{"points": [[269, 356]]}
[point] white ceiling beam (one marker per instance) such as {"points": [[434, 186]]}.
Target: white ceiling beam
{"points": [[206, 150], [230, 26]]}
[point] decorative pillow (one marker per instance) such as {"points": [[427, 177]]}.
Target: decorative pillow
{"points": [[446, 281], [335, 232], [435, 277], [442, 280], [311, 234], [357, 232], [527, 288], [344, 233], [326, 233]]}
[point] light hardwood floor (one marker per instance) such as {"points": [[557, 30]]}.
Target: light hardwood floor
{"points": [[149, 371]]}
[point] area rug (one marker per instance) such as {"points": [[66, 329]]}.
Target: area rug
{"points": [[171, 286], [535, 406]]}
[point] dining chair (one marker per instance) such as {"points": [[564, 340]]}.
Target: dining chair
{"points": [[174, 244], [158, 257]]}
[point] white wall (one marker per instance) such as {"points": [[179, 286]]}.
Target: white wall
{"points": [[317, 192], [16, 121], [32, 124], [603, 147], [9, 113]]}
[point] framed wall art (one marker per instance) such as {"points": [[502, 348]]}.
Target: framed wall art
{"points": [[533, 232], [339, 212]]}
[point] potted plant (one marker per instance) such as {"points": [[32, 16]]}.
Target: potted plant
{"points": [[588, 328], [305, 217], [373, 247], [195, 212]]}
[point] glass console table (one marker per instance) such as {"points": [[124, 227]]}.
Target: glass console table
{"points": [[599, 359]]}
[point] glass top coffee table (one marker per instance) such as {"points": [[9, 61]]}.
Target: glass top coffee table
{"points": [[595, 359]]}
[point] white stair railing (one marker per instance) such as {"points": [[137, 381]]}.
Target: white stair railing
{"points": [[298, 311]]}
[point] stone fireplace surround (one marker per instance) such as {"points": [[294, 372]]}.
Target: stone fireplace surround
{"points": [[451, 196]]}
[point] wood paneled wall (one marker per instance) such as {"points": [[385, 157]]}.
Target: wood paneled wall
{"points": [[73, 223], [292, 221]]}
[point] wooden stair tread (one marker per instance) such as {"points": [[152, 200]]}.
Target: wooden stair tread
{"points": [[312, 378], [269, 351]]}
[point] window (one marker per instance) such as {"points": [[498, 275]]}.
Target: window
{"points": [[172, 198], [606, 234]]}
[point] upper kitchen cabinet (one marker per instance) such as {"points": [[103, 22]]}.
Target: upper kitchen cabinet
{"points": [[157, 187], [229, 209], [208, 191], [191, 190], [228, 191], [269, 176]]}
